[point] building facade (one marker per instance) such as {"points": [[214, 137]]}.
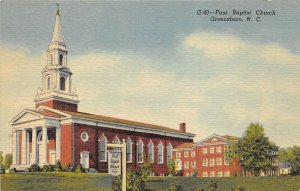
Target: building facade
{"points": [[56, 130]]}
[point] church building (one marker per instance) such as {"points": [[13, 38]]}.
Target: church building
{"points": [[56, 130]]}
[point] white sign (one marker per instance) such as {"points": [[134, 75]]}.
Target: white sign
{"points": [[114, 162]]}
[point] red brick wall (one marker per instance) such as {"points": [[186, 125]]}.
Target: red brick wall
{"points": [[188, 159], [96, 132], [66, 144], [55, 104]]}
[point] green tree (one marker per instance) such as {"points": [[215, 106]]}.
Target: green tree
{"points": [[292, 155], [171, 167], [8, 160], [255, 150], [1, 157]]}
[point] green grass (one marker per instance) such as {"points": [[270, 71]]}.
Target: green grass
{"points": [[64, 181]]}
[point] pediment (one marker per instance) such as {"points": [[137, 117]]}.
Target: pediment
{"points": [[25, 116], [213, 139]]}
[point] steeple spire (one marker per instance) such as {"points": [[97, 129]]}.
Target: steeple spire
{"points": [[57, 35]]}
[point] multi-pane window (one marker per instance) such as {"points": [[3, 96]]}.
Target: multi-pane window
{"points": [[186, 154], [102, 148], [211, 149], [178, 154], [128, 150], [227, 173], [193, 164], [150, 152], [160, 153], [219, 161], [212, 174], [205, 162], [205, 174], [226, 160], [220, 174], [219, 149], [212, 162], [140, 151], [192, 153], [169, 152], [186, 164], [116, 141], [204, 150]]}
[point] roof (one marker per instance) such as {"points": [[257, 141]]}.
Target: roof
{"points": [[185, 146], [118, 120], [57, 35], [231, 137], [49, 113]]}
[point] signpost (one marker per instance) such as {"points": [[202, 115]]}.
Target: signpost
{"points": [[114, 161]]}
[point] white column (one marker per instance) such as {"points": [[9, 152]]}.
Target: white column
{"points": [[44, 146], [14, 147], [23, 151], [57, 143], [33, 146]]}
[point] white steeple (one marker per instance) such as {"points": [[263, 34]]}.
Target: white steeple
{"points": [[56, 79]]}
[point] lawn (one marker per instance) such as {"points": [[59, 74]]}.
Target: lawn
{"points": [[81, 181]]}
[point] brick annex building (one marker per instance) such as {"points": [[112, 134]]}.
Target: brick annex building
{"points": [[56, 130]]}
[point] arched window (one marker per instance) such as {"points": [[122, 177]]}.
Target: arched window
{"points": [[160, 153], [150, 152], [116, 141], [102, 148], [169, 152], [128, 150], [62, 83], [140, 151], [61, 57], [48, 83], [51, 59]]}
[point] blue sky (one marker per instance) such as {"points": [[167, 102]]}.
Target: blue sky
{"points": [[160, 62]]}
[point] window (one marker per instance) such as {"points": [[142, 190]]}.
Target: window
{"points": [[48, 82], [160, 153], [212, 174], [212, 162], [150, 152], [62, 83], [61, 57], [204, 150], [205, 174], [226, 161], [219, 161], [102, 149], [193, 164], [178, 154], [186, 164], [169, 152], [227, 173], [128, 150], [140, 151], [51, 59], [84, 136], [219, 149], [116, 141], [186, 154], [211, 149], [192, 153], [205, 162], [226, 149], [220, 174]]}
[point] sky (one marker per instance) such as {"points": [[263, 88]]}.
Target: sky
{"points": [[162, 63]]}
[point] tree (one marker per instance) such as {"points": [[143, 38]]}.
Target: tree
{"points": [[8, 160], [292, 155], [1, 157], [255, 150], [171, 167]]}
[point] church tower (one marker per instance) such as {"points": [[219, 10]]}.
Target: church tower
{"points": [[56, 91]]}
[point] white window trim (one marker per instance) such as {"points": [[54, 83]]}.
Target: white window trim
{"points": [[128, 141], [137, 156], [152, 151], [219, 149], [206, 160], [162, 150], [87, 136], [105, 151], [204, 150], [85, 153], [169, 147]]}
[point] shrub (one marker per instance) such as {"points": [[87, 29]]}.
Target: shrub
{"points": [[48, 168], [135, 181], [175, 187], [34, 168], [78, 168], [171, 167], [2, 169], [67, 168], [146, 169], [197, 188], [8, 161], [116, 184], [12, 170], [58, 166], [237, 188], [212, 185]]}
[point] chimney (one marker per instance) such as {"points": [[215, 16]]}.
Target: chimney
{"points": [[182, 127]]}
